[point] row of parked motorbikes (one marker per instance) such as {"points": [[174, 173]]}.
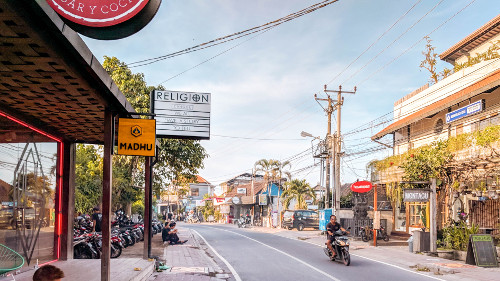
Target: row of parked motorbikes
{"points": [[125, 233]]}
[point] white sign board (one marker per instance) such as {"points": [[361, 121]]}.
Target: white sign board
{"points": [[181, 114], [199, 203], [241, 190]]}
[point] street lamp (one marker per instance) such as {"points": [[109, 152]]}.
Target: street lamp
{"points": [[327, 186]]}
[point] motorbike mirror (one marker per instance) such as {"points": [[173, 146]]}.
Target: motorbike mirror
{"points": [[349, 227]]}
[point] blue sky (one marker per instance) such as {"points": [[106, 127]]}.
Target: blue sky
{"points": [[264, 88]]}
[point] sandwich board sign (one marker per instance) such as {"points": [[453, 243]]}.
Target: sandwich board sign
{"points": [[481, 251], [183, 115]]}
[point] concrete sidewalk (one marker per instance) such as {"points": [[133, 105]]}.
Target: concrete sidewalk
{"points": [[190, 261]]}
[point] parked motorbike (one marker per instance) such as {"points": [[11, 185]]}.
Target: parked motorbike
{"points": [[244, 221], [341, 246], [366, 234]]}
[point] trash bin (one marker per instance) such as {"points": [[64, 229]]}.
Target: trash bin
{"points": [[324, 218], [410, 244]]}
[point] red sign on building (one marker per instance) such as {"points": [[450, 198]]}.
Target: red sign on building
{"points": [[106, 19], [361, 186], [98, 13]]}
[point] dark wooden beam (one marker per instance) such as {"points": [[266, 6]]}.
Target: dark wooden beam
{"points": [[147, 208], [106, 195]]}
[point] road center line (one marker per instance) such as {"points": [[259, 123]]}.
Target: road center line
{"points": [[357, 255], [284, 253], [231, 268]]}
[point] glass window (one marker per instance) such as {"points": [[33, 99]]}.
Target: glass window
{"points": [[418, 214], [27, 193]]}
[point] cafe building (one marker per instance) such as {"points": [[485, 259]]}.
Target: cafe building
{"points": [[53, 94]]}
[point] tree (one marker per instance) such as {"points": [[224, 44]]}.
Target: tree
{"points": [[268, 167], [178, 160], [298, 190], [430, 62], [88, 177]]}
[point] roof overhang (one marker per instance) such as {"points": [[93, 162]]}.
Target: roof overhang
{"points": [[476, 38], [49, 78], [489, 82]]}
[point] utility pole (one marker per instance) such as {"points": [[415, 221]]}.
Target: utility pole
{"points": [[329, 111], [338, 142]]}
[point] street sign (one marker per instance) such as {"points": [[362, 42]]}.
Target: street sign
{"points": [[416, 195], [361, 186], [181, 114], [481, 251], [236, 200], [136, 137], [465, 111], [263, 199]]}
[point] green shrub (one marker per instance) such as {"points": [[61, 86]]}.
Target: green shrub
{"points": [[456, 237]]}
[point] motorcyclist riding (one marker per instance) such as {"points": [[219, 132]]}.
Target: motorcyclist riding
{"points": [[331, 227]]}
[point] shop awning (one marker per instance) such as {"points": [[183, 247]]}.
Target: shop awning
{"points": [[454, 90], [49, 78]]}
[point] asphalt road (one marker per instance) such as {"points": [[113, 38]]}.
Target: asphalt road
{"points": [[263, 256]]}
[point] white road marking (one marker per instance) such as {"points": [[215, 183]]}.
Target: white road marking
{"points": [[402, 268], [231, 268], [284, 253]]}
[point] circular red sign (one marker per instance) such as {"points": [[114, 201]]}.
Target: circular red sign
{"points": [[361, 186], [98, 13]]}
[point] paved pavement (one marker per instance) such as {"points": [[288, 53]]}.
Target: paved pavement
{"points": [[195, 260], [188, 262]]}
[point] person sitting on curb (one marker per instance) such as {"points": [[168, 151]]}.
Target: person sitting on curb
{"points": [[164, 232], [172, 235]]}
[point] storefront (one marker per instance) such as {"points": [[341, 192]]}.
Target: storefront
{"points": [[53, 94]]}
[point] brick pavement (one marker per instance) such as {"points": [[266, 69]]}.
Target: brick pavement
{"points": [[187, 262]]}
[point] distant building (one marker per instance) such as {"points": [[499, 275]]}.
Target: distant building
{"points": [[456, 109]]}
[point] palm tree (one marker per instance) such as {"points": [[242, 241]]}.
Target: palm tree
{"points": [[298, 190], [279, 167]]}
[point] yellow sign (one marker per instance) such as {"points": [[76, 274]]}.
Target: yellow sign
{"points": [[136, 137]]}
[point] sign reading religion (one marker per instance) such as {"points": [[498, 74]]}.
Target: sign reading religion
{"points": [[181, 114], [136, 137], [106, 19]]}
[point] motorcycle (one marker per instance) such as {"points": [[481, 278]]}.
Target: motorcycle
{"points": [[341, 247], [244, 221], [366, 234]]}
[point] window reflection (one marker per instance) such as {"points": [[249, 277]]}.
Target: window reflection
{"points": [[27, 192]]}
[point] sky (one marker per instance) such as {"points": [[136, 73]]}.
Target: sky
{"points": [[262, 89]]}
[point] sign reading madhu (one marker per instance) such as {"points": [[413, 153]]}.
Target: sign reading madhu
{"points": [[136, 137]]}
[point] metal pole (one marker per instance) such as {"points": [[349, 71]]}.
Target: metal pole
{"points": [[374, 211], [338, 149], [433, 223], [106, 195]]}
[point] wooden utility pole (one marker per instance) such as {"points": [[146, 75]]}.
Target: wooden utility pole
{"points": [[329, 111], [338, 142]]}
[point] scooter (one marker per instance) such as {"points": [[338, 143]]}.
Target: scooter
{"points": [[366, 234], [341, 246], [244, 221]]}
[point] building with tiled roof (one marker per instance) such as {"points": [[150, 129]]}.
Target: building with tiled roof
{"points": [[465, 102]]}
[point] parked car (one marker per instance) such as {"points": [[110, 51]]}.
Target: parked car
{"points": [[300, 219]]}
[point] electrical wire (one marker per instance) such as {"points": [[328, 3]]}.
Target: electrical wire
{"points": [[374, 42], [264, 27]]}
